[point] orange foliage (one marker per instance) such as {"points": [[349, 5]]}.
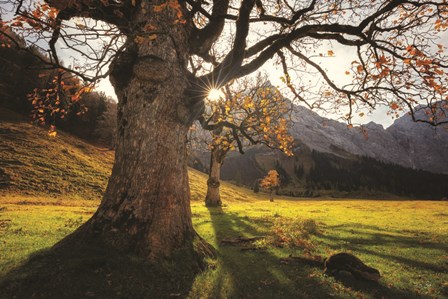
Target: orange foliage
{"points": [[175, 6], [56, 99], [271, 180], [258, 111]]}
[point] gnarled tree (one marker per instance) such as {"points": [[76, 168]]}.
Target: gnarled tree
{"points": [[250, 112], [155, 51]]}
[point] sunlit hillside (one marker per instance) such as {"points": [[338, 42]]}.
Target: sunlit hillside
{"points": [[33, 163]]}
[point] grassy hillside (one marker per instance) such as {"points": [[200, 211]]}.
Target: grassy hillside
{"points": [[33, 163], [49, 179]]}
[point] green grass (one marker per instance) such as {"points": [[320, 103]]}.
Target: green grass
{"points": [[406, 240]]}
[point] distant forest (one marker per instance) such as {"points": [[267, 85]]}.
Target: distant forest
{"points": [[330, 172]]}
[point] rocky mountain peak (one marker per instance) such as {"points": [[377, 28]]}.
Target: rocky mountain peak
{"points": [[406, 143]]}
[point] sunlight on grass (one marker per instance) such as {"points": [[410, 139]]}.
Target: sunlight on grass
{"points": [[406, 240]]}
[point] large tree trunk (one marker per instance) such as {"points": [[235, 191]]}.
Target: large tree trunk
{"points": [[146, 207], [213, 197]]}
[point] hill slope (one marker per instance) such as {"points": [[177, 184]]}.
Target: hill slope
{"points": [[33, 163]]}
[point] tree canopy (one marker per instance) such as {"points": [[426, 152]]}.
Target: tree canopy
{"points": [[250, 112], [399, 56], [271, 182]]}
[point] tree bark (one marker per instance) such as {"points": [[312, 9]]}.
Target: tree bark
{"points": [[271, 197], [213, 197], [146, 206]]}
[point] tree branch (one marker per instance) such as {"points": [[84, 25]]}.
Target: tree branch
{"points": [[202, 40]]}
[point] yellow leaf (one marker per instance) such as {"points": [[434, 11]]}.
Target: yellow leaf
{"points": [[52, 131], [330, 53], [81, 26]]}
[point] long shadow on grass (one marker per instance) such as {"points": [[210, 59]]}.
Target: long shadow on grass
{"points": [[259, 274], [93, 272], [384, 234], [360, 239]]}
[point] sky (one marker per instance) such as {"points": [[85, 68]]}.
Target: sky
{"points": [[335, 66], [336, 69]]}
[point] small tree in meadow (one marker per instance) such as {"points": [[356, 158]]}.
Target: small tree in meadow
{"points": [[271, 182], [250, 112]]}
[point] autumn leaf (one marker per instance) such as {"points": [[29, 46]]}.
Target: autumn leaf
{"points": [[394, 106], [330, 53], [359, 68], [139, 39], [159, 8]]}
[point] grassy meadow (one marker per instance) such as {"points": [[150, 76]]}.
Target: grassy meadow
{"points": [[53, 186]]}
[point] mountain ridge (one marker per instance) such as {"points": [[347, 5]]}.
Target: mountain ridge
{"points": [[405, 142]]}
